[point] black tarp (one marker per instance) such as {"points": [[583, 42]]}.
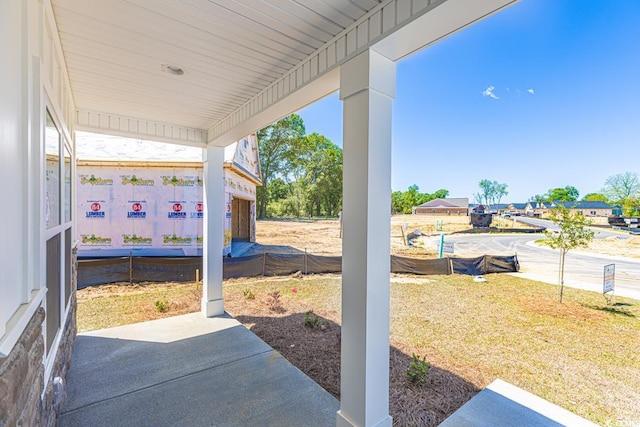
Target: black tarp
{"points": [[470, 266], [283, 264], [183, 269], [137, 269], [501, 264], [160, 269], [420, 266], [485, 264], [247, 266], [105, 270], [280, 265], [317, 264]]}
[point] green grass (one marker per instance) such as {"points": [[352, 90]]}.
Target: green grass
{"points": [[583, 354], [107, 306]]}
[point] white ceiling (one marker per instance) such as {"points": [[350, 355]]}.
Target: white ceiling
{"points": [[230, 51]]}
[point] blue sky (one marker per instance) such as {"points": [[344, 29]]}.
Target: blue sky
{"points": [[564, 108]]}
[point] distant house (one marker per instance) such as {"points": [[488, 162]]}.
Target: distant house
{"points": [[448, 206], [537, 209], [516, 209], [590, 209], [492, 208]]}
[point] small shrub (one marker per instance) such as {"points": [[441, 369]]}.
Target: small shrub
{"points": [[311, 320], [417, 370], [274, 302], [248, 294], [162, 306]]}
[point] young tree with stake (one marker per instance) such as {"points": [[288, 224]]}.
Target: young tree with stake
{"points": [[574, 233]]}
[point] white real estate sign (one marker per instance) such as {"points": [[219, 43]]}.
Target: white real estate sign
{"points": [[609, 278], [447, 247]]}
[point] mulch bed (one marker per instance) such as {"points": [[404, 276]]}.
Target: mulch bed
{"points": [[316, 352]]}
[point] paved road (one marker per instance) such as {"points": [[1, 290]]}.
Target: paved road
{"points": [[582, 270], [599, 233]]}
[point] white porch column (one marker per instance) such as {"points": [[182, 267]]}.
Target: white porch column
{"points": [[213, 230], [367, 87]]}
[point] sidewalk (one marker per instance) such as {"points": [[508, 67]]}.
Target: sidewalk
{"points": [[188, 371]]}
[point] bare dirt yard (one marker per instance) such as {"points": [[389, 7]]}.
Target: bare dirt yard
{"points": [[322, 237], [616, 246]]}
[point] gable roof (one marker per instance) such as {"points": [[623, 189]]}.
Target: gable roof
{"points": [[539, 205], [521, 206], [581, 204], [242, 156], [446, 203]]}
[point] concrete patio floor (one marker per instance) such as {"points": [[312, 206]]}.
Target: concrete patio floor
{"points": [[195, 371], [188, 370], [503, 404]]}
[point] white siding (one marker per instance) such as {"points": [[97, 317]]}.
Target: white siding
{"points": [[34, 77], [12, 159]]}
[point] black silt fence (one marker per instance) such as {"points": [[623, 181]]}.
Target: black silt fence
{"points": [[158, 269], [247, 266], [420, 266], [485, 264], [99, 271], [137, 269]]}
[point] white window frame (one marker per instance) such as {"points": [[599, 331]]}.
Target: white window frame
{"points": [[60, 229]]}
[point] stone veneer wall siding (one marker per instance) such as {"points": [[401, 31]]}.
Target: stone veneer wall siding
{"points": [[62, 363], [22, 371], [22, 377]]}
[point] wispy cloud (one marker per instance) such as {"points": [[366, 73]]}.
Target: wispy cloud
{"points": [[489, 92], [508, 92]]}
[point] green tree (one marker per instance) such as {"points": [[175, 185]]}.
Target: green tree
{"points": [[595, 197], [574, 232], [491, 192], [624, 190], [397, 201], [562, 194], [500, 190], [294, 204], [486, 192], [305, 178], [411, 198], [439, 194], [427, 197], [322, 178], [278, 189], [279, 146], [404, 201], [538, 198], [631, 206]]}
